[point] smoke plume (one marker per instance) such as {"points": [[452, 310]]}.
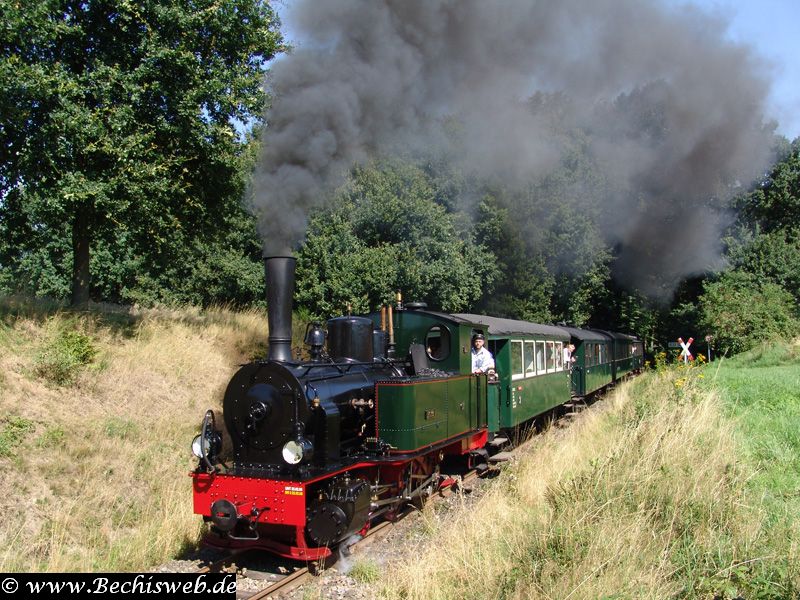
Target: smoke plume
{"points": [[672, 110]]}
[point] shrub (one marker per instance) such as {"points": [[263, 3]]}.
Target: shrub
{"points": [[63, 356], [53, 437], [740, 311], [12, 434], [119, 428]]}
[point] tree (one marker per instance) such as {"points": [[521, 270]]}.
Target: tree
{"points": [[766, 239], [775, 202], [739, 311], [385, 232], [773, 256], [524, 287], [118, 126]]}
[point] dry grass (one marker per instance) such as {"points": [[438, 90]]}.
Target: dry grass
{"points": [[99, 480], [643, 499]]}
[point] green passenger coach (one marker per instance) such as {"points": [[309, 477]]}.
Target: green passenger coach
{"points": [[441, 399], [532, 376], [626, 354], [592, 368]]}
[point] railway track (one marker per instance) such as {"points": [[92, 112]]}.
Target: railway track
{"points": [[283, 583]]}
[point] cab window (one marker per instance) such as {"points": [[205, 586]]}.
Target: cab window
{"points": [[437, 343]]}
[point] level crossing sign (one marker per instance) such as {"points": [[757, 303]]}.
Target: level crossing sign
{"points": [[687, 356]]}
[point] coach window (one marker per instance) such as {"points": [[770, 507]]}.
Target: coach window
{"points": [[559, 356], [437, 343], [517, 371], [588, 355], [551, 357], [530, 364], [540, 357]]}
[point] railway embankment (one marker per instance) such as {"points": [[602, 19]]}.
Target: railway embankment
{"points": [[682, 483], [97, 412]]}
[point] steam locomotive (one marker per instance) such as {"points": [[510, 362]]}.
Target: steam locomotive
{"points": [[324, 447]]}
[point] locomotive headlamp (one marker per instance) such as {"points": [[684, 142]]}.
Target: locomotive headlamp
{"points": [[208, 444], [213, 443], [295, 451], [197, 448]]}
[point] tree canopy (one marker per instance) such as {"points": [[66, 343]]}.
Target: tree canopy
{"points": [[385, 232], [740, 311], [758, 297], [120, 149]]}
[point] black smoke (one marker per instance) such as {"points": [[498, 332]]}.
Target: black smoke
{"points": [[673, 110]]}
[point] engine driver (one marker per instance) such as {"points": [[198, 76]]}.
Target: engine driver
{"points": [[482, 359]]}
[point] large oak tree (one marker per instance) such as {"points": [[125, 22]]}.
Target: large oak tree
{"points": [[118, 121]]}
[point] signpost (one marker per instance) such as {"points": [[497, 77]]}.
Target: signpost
{"points": [[687, 356]]}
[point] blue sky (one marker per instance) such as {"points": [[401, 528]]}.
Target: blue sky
{"points": [[773, 28]]}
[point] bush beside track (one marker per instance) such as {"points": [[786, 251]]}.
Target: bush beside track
{"points": [[683, 484]]}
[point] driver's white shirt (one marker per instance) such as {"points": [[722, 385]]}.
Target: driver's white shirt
{"points": [[482, 360]]}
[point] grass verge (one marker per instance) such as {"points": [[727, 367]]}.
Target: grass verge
{"points": [[652, 496]]}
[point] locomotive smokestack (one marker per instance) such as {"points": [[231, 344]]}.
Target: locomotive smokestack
{"points": [[280, 290]]}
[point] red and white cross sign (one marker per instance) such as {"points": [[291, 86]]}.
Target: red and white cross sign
{"points": [[687, 356]]}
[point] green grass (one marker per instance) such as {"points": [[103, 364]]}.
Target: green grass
{"points": [[760, 390], [365, 571]]}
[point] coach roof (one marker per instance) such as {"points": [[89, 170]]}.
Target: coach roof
{"points": [[506, 327], [586, 334]]}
